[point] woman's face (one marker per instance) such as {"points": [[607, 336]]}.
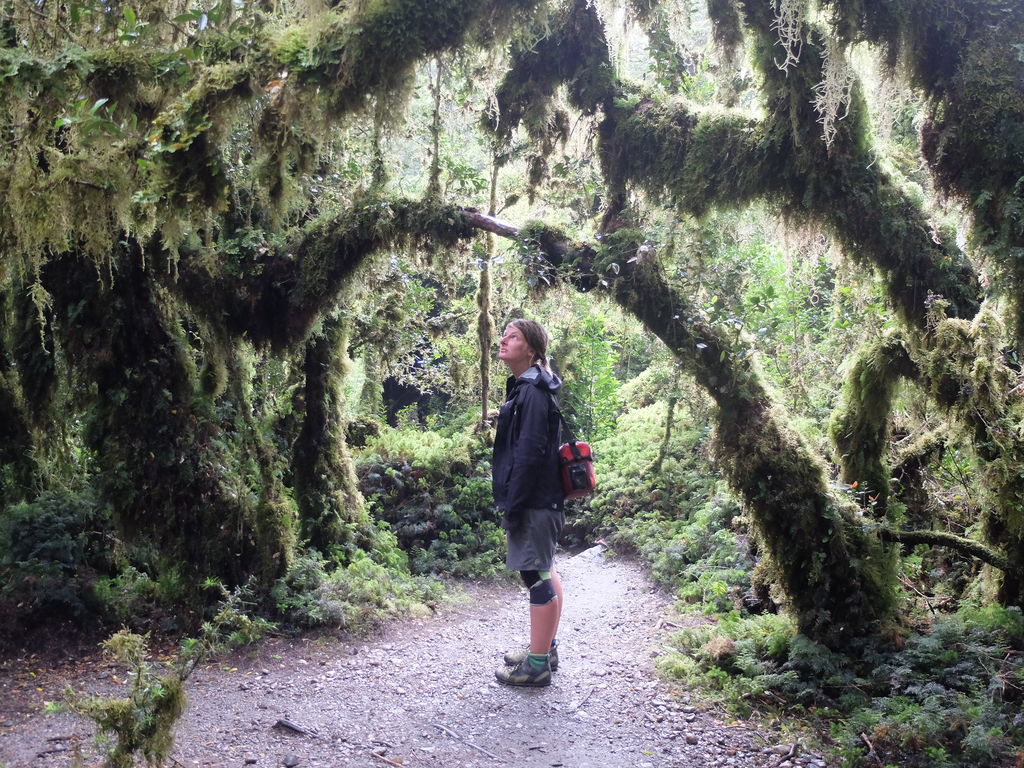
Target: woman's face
{"points": [[514, 351]]}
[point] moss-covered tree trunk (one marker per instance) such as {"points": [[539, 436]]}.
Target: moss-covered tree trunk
{"points": [[331, 511], [164, 460], [17, 470], [838, 579], [28, 384], [859, 427]]}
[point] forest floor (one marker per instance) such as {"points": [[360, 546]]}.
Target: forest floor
{"points": [[420, 693]]}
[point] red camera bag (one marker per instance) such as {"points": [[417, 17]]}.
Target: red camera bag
{"points": [[577, 464]]}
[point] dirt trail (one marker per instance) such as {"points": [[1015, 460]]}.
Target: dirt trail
{"points": [[421, 694]]}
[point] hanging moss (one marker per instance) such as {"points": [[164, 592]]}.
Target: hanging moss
{"points": [[122, 167], [372, 50], [725, 19], [859, 427], [183, 139], [572, 53], [963, 55], [701, 159], [126, 75], [33, 352]]}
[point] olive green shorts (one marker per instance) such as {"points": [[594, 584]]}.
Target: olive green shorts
{"points": [[531, 546]]}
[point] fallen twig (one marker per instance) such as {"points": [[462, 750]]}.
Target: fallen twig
{"points": [[794, 750], [289, 725], [454, 735], [386, 759], [871, 750], [584, 699]]}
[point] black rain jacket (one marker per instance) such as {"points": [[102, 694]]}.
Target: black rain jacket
{"points": [[526, 473]]}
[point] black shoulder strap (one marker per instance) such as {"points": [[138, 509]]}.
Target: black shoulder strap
{"points": [[565, 424]]}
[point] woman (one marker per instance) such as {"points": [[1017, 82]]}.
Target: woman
{"points": [[528, 491]]}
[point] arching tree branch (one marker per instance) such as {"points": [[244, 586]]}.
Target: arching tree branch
{"points": [[968, 547], [833, 572]]}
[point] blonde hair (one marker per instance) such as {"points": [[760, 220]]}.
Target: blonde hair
{"points": [[536, 337]]}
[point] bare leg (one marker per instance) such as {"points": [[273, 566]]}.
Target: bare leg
{"points": [[543, 621], [544, 618], [556, 584]]}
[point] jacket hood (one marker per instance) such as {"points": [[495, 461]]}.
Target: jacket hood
{"points": [[541, 378]]}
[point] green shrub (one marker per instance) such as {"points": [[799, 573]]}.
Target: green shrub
{"points": [[128, 595], [948, 697], [356, 597], [434, 454], [52, 552], [434, 493], [142, 722]]}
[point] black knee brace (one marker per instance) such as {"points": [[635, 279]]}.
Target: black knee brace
{"points": [[541, 591]]}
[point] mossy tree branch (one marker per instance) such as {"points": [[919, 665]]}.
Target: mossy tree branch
{"points": [[968, 547], [168, 112], [178, 473], [837, 577], [700, 160], [277, 293]]}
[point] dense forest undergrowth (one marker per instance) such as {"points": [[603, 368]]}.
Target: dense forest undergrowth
{"points": [[249, 299]]}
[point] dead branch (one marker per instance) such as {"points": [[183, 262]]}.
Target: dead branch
{"points": [[871, 749], [290, 726]]}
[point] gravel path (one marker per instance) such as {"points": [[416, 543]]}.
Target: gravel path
{"points": [[421, 694]]}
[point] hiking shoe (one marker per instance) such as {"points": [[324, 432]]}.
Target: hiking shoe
{"points": [[525, 674], [514, 658]]}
